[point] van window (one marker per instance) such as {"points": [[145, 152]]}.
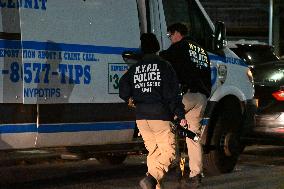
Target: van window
{"points": [[188, 12]]}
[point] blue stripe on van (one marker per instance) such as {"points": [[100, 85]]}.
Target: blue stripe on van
{"points": [[65, 127], [17, 128], [51, 46], [228, 60], [71, 127], [10, 44]]}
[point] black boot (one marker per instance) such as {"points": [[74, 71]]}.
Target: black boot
{"points": [[148, 182], [192, 183]]}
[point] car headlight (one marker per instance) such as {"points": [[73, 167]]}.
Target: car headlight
{"points": [[250, 75]]}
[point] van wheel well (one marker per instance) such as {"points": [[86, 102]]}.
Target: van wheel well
{"points": [[224, 132]]}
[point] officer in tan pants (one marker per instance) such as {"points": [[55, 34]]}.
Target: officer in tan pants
{"points": [[191, 63], [160, 143], [195, 104], [153, 86]]}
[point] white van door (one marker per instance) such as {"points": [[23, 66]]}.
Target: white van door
{"points": [[72, 55], [10, 56], [72, 49]]}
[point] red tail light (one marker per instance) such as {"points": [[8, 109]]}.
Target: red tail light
{"points": [[279, 95]]}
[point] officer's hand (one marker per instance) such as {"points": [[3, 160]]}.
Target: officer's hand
{"points": [[131, 103], [183, 122]]}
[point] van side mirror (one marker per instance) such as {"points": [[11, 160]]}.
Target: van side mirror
{"points": [[219, 36], [131, 57]]}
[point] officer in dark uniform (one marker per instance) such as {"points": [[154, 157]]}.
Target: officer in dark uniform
{"points": [[153, 86], [191, 63]]}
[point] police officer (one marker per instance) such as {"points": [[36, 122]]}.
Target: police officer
{"points": [[153, 86], [192, 66]]}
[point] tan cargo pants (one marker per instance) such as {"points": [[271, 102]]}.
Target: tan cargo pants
{"points": [[160, 143], [195, 104]]}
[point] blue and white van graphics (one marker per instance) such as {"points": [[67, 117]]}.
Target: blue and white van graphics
{"points": [[60, 64]]}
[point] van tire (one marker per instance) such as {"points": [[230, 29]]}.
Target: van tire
{"points": [[225, 141], [111, 159]]}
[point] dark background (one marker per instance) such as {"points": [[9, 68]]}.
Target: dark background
{"points": [[249, 19]]}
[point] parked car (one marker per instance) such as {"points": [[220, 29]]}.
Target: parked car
{"points": [[269, 92], [268, 73], [254, 54]]}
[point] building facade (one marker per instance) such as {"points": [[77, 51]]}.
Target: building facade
{"points": [[249, 20]]}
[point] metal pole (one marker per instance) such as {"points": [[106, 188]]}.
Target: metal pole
{"points": [[270, 21]]}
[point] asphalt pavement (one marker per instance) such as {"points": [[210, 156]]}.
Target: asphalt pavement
{"points": [[259, 167]]}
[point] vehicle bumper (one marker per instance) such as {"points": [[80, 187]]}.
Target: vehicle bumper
{"points": [[249, 117], [270, 125], [269, 130]]}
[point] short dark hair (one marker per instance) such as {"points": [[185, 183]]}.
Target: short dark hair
{"points": [[179, 27], [149, 43]]}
